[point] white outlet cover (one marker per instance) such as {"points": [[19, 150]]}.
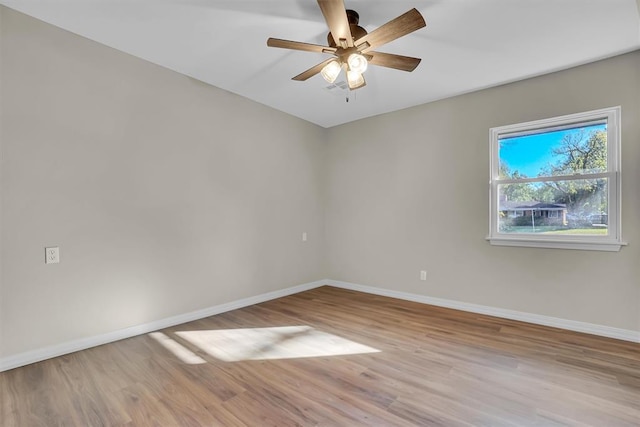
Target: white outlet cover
{"points": [[52, 255]]}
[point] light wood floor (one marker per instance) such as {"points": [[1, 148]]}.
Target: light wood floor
{"points": [[433, 366]]}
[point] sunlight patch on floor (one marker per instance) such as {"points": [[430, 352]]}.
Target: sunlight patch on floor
{"points": [[285, 342], [180, 351]]}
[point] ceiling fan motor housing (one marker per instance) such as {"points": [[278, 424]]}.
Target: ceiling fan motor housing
{"points": [[356, 31]]}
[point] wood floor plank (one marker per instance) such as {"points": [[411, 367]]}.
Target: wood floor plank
{"points": [[423, 365]]}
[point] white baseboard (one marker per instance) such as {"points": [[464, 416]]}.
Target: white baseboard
{"points": [[38, 355], [572, 325]]}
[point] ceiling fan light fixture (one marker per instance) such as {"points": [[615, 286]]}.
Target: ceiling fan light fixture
{"points": [[331, 71], [357, 63], [355, 80]]}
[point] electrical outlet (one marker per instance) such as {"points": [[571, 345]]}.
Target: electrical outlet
{"points": [[52, 255], [423, 275], [304, 236]]}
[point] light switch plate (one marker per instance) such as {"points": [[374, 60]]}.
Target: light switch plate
{"points": [[52, 255]]}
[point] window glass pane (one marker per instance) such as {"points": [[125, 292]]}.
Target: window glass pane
{"points": [[571, 207], [571, 151]]}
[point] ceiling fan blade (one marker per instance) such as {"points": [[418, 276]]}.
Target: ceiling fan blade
{"points": [[394, 29], [398, 62], [336, 16], [288, 44], [312, 71]]}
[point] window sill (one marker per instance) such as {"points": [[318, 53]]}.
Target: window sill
{"points": [[583, 245]]}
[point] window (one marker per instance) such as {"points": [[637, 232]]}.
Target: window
{"points": [[555, 183]]}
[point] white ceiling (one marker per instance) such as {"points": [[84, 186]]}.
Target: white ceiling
{"points": [[467, 44]]}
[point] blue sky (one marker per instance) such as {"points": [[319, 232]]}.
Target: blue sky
{"points": [[529, 154]]}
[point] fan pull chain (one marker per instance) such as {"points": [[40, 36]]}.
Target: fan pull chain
{"points": [[355, 95]]}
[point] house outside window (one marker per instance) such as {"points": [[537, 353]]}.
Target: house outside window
{"points": [[555, 182]]}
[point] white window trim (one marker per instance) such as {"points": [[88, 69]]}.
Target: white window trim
{"points": [[611, 242]]}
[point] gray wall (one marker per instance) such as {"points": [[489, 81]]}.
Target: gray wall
{"points": [[408, 191], [164, 194]]}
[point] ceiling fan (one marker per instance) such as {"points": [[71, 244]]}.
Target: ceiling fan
{"points": [[351, 45]]}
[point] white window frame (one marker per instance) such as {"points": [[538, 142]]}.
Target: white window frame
{"points": [[613, 241]]}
